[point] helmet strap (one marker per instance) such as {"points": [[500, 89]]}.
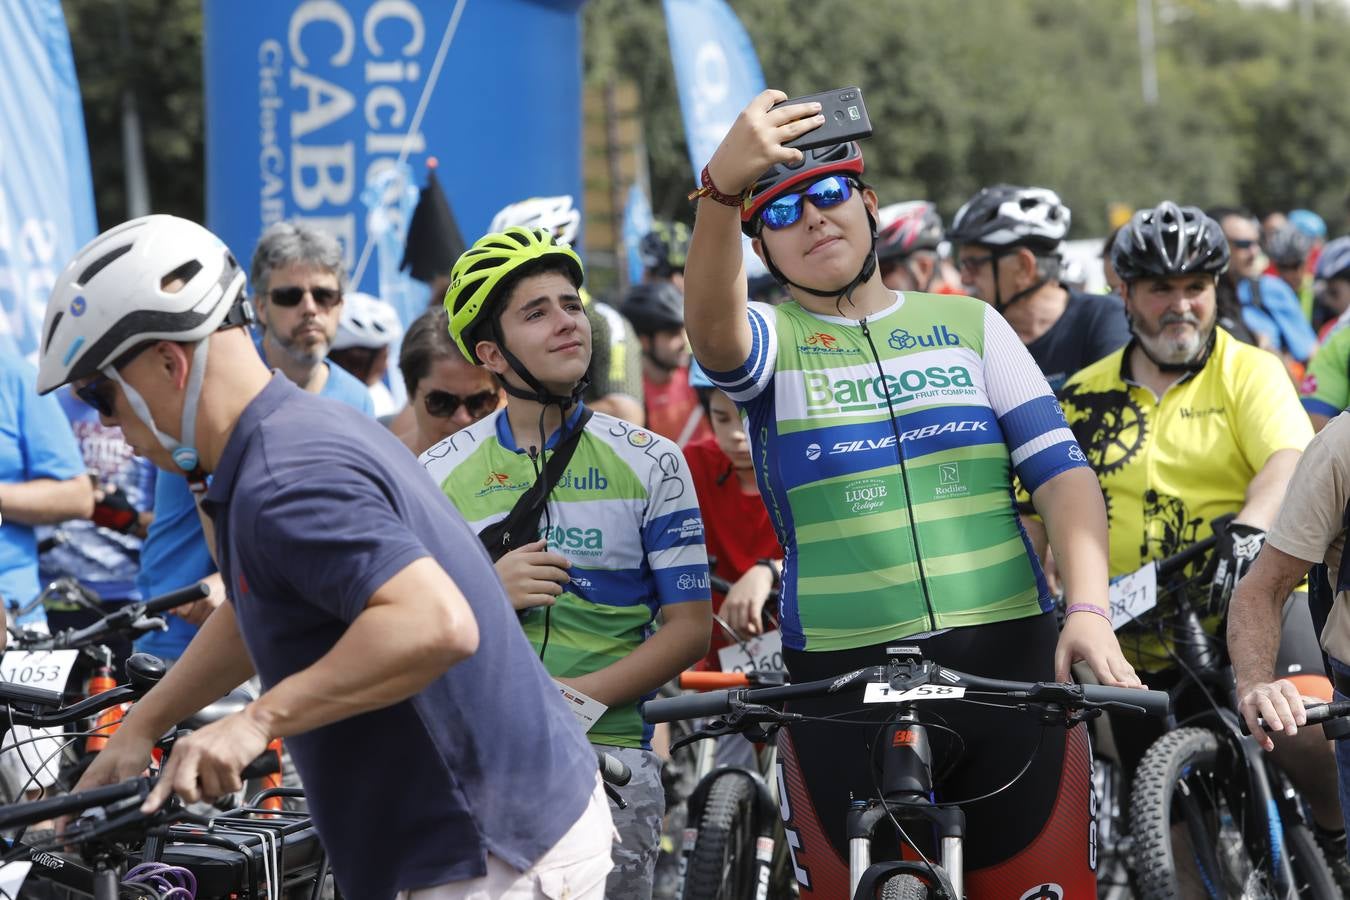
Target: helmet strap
{"points": [[184, 455], [844, 294], [999, 303], [1195, 364], [537, 393]]}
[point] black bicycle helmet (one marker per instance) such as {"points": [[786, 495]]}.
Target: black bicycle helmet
{"points": [[908, 228], [653, 306], [665, 248], [1288, 247], [1006, 215], [1167, 241]]}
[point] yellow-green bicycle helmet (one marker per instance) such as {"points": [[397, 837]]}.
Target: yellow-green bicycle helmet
{"points": [[477, 274]]}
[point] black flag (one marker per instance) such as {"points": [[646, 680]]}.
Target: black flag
{"points": [[434, 241]]}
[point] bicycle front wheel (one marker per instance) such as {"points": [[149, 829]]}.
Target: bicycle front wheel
{"points": [[1195, 830], [904, 887], [722, 862]]}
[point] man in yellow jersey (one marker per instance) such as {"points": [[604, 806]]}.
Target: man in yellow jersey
{"points": [[1182, 425]]}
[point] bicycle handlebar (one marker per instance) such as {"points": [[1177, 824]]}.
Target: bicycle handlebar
{"points": [[20, 814], [126, 620], [904, 676], [1316, 713]]}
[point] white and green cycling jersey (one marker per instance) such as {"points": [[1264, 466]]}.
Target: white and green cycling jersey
{"points": [[624, 514], [876, 549]]}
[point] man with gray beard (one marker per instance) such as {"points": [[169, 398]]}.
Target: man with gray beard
{"points": [[298, 281], [1183, 425]]}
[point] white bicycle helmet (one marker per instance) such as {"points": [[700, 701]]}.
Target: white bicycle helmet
{"points": [[111, 298], [556, 215], [1005, 215], [367, 322]]}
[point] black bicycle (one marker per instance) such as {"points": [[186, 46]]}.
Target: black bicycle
{"points": [[1206, 800], [245, 853], [905, 780]]}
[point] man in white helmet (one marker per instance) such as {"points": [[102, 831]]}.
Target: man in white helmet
{"points": [[355, 592], [1009, 241]]}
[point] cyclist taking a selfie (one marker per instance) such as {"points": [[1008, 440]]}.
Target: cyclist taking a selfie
{"points": [[885, 429]]}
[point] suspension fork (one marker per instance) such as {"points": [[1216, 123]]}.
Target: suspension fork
{"points": [[906, 786]]}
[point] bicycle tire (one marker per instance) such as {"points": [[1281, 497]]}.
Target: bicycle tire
{"points": [[1190, 754], [722, 862], [904, 887], [1316, 881]]}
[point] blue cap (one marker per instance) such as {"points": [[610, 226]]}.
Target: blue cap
{"points": [[1308, 222]]}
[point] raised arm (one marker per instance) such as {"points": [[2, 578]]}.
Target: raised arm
{"points": [[714, 279]]}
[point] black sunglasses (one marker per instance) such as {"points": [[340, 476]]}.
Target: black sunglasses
{"points": [[972, 264], [100, 392], [1243, 244], [291, 296], [443, 404]]}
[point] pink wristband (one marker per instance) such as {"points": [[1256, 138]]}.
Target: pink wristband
{"points": [[1087, 607]]}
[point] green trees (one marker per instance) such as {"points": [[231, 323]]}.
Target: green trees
{"points": [[969, 92]]}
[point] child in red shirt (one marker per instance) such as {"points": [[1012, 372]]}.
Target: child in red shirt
{"points": [[735, 522]]}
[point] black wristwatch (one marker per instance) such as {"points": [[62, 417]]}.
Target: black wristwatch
{"points": [[773, 569]]}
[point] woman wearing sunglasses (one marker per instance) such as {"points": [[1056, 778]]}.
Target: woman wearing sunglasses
{"points": [[446, 392], [885, 428]]}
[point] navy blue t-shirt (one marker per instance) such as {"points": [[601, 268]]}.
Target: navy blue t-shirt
{"points": [[1092, 326], [315, 507]]}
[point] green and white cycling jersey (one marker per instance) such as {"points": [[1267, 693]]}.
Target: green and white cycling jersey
{"points": [[1326, 386], [624, 514], [884, 451]]}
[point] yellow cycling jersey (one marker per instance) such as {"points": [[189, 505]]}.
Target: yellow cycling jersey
{"points": [[1169, 465]]}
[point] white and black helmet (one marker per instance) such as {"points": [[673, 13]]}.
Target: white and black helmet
{"points": [[367, 322], [111, 297], [556, 215], [1006, 215]]}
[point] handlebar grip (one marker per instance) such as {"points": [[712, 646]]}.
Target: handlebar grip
{"points": [[687, 706], [267, 762], [1317, 714], [27, 813], [1154, 703], [175, 599], [613, 770], [711, 681], [22, 693]]}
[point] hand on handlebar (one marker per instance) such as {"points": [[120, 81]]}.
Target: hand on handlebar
{"points": [[207, 763], [533, 575], [126, 755], [744, 605], [1278, 703], [1088, 637]]}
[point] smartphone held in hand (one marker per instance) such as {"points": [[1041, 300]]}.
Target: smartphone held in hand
{"points": [[845, 118]]}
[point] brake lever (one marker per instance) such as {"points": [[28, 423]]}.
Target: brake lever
{"points": [[735, 724]]}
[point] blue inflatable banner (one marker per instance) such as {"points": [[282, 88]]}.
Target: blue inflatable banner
{"points": [[716, 71], [46, 195], [326, 111]]}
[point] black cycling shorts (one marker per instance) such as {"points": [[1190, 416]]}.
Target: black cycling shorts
{"points": [[1034, 831]]}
